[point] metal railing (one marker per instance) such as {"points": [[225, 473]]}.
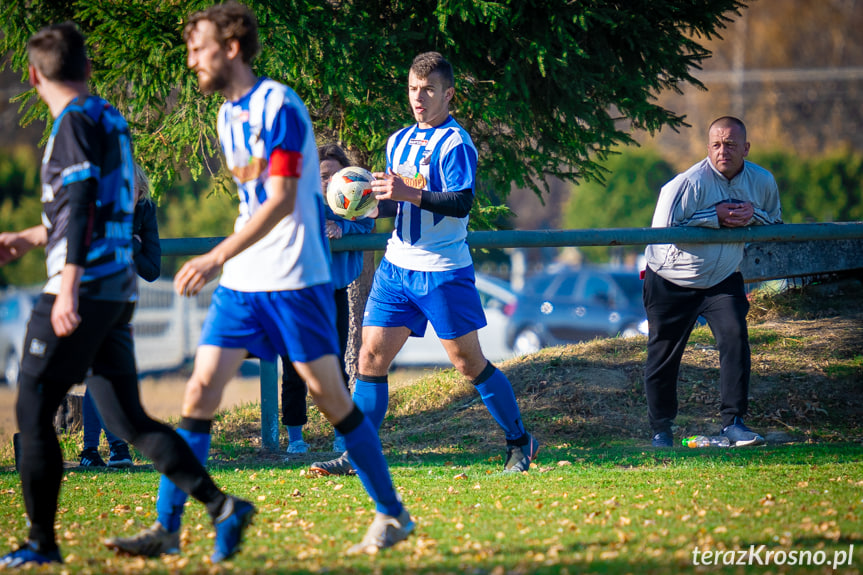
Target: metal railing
{"points": [[852, 258]]}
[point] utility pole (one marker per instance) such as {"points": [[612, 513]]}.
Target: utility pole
{"points": [[738, 103]]}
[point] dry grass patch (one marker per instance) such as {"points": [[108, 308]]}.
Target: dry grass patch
{"points": [[807, 385]]}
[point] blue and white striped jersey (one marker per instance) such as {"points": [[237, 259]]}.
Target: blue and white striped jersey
{"points": [[294, 254], [439, 159], [90, 140]]}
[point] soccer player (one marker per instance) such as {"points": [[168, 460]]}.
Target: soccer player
{"points": [[274, 296], [427, 272], [82, 317]]}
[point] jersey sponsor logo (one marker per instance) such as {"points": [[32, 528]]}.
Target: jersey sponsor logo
{"points": [[251, 171], [418, 142], [409, 175], [121, 230], [123, 255]]}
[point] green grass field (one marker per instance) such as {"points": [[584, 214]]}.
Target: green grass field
{"points": [[616, 509], [598, 500]]}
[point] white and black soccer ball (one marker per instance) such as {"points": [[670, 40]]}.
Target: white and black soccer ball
{"points": [[349, 193]]}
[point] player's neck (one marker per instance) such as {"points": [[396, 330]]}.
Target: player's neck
{"points": [[57, 95], [242, 81], [432, 124]]}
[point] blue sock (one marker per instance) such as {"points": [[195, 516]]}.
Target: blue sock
{"points": [[171, 499], [366, 455], [372, 396], [497, 395], [295, 433]]}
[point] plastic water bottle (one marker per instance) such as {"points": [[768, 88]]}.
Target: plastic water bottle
{"points": [[706, 441]]}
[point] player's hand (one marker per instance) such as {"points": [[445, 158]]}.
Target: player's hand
{"points": [[389, 186], [734, 215], [334, 232], [64, 315], [195, 274], [12, 247]]}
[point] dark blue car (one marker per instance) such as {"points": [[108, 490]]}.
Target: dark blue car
{"points": [[568, 305]]}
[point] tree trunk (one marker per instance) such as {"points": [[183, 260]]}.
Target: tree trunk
{"points": [[70, 415], [358, 293]]}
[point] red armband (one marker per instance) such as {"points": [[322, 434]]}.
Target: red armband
{"points": [[286, 163]]}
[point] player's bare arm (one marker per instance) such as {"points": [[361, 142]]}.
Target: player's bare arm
{"points": [[392, 187], [195, 273], [14, 245], [64, 314]]}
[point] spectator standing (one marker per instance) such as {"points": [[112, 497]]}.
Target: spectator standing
{"points": [[685, 281]]}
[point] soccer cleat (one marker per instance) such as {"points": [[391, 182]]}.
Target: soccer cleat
{"points": [[663, 439], [298, 446], [338, 466], [120, 456], [741, 436], [518, 457], [90, 458], [28, 554], [151, 542], [236, 515], [385, 531]]}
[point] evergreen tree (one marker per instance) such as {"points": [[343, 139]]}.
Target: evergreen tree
{"points": [[545, 87]]}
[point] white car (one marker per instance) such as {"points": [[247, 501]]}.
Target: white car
{"points": [[15, 308], [495, 294]]}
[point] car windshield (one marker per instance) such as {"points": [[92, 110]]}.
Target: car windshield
{"points": [[537, 284], [630, 284]]}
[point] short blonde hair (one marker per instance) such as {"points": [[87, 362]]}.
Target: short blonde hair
{"points": [[142, 184]]}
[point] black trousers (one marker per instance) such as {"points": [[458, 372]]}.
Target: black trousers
{"points": [[293, 387], [50, 366], [672, 311]]}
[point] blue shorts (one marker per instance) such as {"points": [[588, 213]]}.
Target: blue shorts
{"points": [[299, 323], [448, 299]]}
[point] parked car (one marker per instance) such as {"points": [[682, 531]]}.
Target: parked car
{"points": [[495, 295], [15, 308], [568, 305]]}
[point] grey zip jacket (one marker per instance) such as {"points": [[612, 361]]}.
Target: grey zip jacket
{"points": [[690, 199]]}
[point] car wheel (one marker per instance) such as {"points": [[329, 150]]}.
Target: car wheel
{"points": [[527, 341], [630, 331], [12, 369]]}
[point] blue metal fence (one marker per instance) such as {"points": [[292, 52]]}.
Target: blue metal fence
{"points": [[540, 238]]}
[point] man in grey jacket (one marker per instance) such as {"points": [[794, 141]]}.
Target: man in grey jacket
{"points": [[685, 281]]}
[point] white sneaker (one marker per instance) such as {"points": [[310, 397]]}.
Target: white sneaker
{"points": [[298, 446], [385, 531]]}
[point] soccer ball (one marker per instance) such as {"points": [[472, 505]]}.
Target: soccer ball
{"points": [[350, 194]]}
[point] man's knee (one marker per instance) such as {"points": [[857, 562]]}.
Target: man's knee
{"points": [[201, 398], [34, 410], [372, 360], [469, 362]]}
